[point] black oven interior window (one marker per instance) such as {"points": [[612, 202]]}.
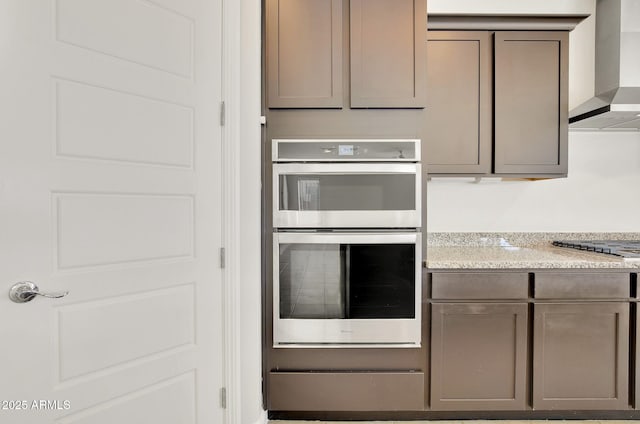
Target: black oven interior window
{"points": [[357, 192], [347, 281]]}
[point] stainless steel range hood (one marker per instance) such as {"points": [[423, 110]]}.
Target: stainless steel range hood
{"points": [[617, 85]]}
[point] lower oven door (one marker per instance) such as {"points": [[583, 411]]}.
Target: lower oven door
{"points": [[347, 289]]}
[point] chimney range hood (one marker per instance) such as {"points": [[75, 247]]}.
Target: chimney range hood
{"points": [[616, 105]]}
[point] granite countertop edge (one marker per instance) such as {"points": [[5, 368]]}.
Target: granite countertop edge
{"points": [[446, 251]]}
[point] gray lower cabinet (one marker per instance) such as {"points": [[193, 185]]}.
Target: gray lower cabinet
{"points": [[581, 356], [479, 356], [517, 340], [531, 102]]}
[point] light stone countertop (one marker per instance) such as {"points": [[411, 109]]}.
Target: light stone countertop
{"points": [[519, 251]]}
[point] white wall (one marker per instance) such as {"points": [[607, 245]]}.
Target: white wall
{"points": [[602, 191]]}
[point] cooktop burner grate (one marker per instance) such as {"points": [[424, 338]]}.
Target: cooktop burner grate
{"points": [[627, 249]]}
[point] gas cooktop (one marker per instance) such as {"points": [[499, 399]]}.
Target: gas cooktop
{"points": [[626, 249]]}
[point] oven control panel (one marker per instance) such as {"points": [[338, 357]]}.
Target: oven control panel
{"points": [[346, 150]]}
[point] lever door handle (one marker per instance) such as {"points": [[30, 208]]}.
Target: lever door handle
{"points": [[25, 291]]}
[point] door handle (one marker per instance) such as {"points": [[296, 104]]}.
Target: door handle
{"points": [[25, 291]]}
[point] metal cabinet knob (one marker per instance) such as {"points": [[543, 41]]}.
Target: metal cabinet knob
{"points": [[25, 291]]}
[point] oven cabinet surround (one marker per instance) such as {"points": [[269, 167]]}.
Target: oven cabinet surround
{"points": [[385, 53], [498, 99]]}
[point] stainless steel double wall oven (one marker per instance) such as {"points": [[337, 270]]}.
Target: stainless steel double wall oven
{"points": [[346, 242]]}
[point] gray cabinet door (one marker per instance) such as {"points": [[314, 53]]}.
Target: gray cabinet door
{"points": [[479, 356], [388, 53], [304, 53], [457, 133], [531, 106], [581, 356]]}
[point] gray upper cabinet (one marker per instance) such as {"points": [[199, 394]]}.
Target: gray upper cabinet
{"points": [[383, 41], [498, 102], [304, 53], [531, 106], [388, 53], [458, 115]]}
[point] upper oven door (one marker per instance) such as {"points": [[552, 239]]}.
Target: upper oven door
{"points": [[346, 195]]}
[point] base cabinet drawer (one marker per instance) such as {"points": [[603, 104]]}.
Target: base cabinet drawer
{"points": [[480, 286], [346, 391], [581, 356], [582, 285], [479, 356]]}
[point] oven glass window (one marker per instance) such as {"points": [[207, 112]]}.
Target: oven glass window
{"points": [[347, 281], [348, 192]]}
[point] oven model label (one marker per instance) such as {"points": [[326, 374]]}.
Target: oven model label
{"points": [[345, 150]]}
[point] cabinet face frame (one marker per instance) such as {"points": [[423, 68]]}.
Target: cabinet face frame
{"points": [[274, 67], [438, 130], [360, 44], [635, 347], [619, 367], [635, 359], [509, 132], [518, 312]]}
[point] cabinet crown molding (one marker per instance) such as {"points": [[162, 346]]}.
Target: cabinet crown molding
{"points": [[503, 22]]}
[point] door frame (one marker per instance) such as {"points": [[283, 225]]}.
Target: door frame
{"points": [[231, 124]]}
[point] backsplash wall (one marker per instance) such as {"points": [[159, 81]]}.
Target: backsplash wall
{"points": [[601, 194]]}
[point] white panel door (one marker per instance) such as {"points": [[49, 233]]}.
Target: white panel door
{"points": [[110, 188]]}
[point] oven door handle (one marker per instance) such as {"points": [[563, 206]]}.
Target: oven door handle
{"points": [[345, 168], [348, 238]]}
